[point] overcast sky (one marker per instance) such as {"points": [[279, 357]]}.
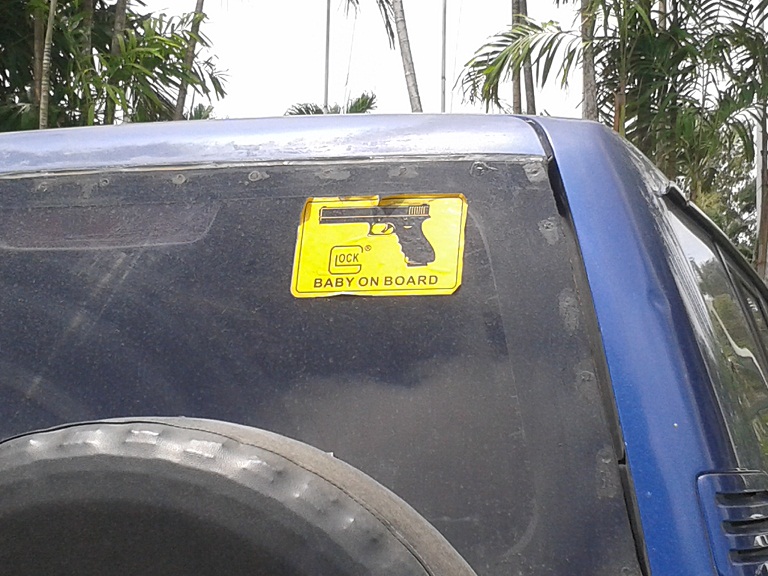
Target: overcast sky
{"points": [[274, 52]]}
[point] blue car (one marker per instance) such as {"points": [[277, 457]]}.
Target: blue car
{"points": [[443, 345]]}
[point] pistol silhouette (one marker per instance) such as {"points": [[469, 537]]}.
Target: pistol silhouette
{"points": [[402, 221]]}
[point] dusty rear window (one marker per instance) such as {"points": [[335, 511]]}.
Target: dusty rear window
{"points": [[168, 292]]}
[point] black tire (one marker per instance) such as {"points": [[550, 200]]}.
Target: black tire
{"points": [[173, 496]]}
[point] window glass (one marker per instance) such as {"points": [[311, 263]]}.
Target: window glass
{"points": [[756, 309], [735, 358], [168, 292]]}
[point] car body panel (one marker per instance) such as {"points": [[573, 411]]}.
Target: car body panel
{"points": [[261, 140], [670, 423]]}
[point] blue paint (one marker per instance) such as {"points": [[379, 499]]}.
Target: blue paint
{"points": [[671, 428]]}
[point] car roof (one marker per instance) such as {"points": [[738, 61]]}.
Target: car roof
{"points": [[264, 140]]}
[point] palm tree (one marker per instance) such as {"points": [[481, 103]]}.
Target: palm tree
{"points": [[387, 15], [517, 100], [587, 10], [393, 11], [117, 36], [520, 14], [761, 249], [530, 96], [405, 53], [84, 77], [39, 25], [360, 105], [45, 69], [656, 84], [189, 59], [678, 78], [200, 112], [588, 77]]}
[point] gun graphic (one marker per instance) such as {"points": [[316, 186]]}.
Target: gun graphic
{"points": [[402, 221]]}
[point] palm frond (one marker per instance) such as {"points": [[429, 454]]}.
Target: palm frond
{"points": [[507, 52], [362, 104], [304, 109], [387, 15]]}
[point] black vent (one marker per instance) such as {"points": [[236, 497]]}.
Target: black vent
{"points": [[736, 509]]}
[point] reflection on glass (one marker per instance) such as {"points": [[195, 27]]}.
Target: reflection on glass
{"points": [[757, 312], [737, 368]]}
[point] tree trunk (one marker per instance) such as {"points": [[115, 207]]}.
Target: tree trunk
{"points": [[530, 96], [117, 33], [189, 60], [443, 55], [589, 90], [45, 72], [326, 85], [87, 60], [619, 105], [761, 246], [405, 53], [88, 27], [517, 101], [39, 47]]}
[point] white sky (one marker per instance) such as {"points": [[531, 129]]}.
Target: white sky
{"points": [[274, 52]]}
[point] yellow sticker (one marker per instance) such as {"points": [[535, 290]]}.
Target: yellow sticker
{"points": [[380, 246]]}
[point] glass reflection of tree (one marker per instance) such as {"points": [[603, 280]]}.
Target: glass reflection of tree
{"points": [[741, 372], [760, 421], [725, 312]]}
